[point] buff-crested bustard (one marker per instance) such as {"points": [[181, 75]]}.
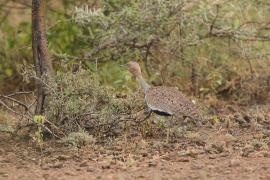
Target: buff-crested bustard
{"points": [[165, 100]]}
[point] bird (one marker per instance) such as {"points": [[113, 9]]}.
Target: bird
{"points": [[163, 100]]}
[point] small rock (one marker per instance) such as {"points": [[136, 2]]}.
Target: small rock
{"points": [[90, 169], [63, 157], [182, 153], [106, 166], [5, 160], [84, 164], [249, 169], [3, 174], [229, 138], [182, 160], [267, 154], [266, 132], [140, 176], [234, 163], [45, 176], [152, 163], [197, 166], [144, 153], [219, 146], [45, 167], [70, 174], [78, 169], [213, 156], [247, 150], [224, 154], [211, 167], [227, 171], [57, 165]]}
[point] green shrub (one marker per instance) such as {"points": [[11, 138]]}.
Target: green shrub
{"points": [[79, 139], [78, 101]]}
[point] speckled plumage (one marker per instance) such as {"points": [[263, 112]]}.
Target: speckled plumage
{"points": [[164, 100], [171, 101]]}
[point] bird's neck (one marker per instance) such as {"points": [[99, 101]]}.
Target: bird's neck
{"points": [[143, 83]]}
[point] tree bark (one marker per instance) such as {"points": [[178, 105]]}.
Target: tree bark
{"points": [[42, 59]]}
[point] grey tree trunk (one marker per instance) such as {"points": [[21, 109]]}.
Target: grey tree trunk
{"points": [[42, 59]]}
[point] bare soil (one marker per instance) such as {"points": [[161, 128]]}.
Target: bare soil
{"points": [[234, 148]]}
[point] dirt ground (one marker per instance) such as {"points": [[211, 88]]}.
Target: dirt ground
{"points": [[236, 148]]}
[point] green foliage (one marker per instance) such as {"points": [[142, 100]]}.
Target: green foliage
{"points": [[173, 36], [78, 101], [79, 139], [14, 42], [38, 134], [222, 40]]}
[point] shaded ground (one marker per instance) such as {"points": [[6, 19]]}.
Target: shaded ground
{"points": [[237, 147]]}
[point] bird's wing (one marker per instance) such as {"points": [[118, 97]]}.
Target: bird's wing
{"points": [[171, 101]]}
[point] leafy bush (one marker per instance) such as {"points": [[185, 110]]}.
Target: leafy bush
{"points": [[200, 46], [78, 101]]}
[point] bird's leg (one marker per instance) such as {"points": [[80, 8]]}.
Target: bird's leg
{"points": [[168, 135], [149, 112], [169, 131]]}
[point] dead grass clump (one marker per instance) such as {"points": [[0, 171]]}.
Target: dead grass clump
{"points": [[77, 101]]}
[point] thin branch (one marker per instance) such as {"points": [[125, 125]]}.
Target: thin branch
{"points": [[214, 20], [19, 93], [12, 110], [15, 100]]}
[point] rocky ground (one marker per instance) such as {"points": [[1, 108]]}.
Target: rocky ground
{"points": [[234, 147]]}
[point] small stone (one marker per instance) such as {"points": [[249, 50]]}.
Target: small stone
{"points": [[57, 165], [70, 174], [182, 160], [45, 176], [267, 154], [45, 167], [140, 176], [234, 163], [144, 153], [84, 164], [197, 166], [63, 157], [106, 166], [152, 163], [90, 169], [213, 156], [211, 167], [247, 150], [219, 146], [5, 160], [78, 169], [224, 154], [3, 174], [249, 169], [229, 138]]}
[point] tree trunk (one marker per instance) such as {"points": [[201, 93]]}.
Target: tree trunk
{"points": [[42, 60]]}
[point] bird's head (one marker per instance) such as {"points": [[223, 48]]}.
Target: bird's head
{"points": [[133, 67]]}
